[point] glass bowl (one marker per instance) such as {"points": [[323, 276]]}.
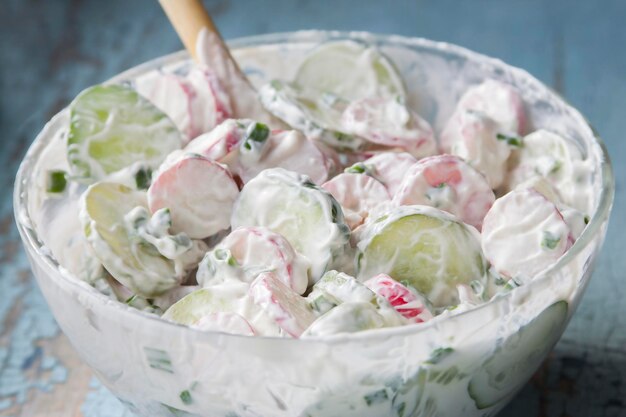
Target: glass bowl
{"points": [[467, 363]]}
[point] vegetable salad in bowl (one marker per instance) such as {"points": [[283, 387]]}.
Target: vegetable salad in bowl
{"points": [[369, 197]]}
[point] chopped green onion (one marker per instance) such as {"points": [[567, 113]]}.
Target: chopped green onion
{"points": [[57, 182], [586, 219], [185, 397], [342, 137], [358, 168], [257, 132], [438, 354], [376, 397], [511, 140], [159, 359], [143, 178], [512, 283], [550, 241], [309, 184], [556, 167]]}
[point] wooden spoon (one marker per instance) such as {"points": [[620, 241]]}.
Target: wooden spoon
{"points": [[206, 46]]}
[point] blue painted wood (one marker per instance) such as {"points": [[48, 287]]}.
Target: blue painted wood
{"points": [[51, 50]]}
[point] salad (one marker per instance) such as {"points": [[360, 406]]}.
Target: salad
{"points": [[331, 207]]}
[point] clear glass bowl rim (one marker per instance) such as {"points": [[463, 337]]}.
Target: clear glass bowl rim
{"points": [[32, 241]]}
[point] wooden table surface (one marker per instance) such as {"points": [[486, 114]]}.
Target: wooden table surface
{"points": [[50, 50]]}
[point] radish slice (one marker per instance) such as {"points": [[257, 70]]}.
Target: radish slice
{"points": [[475, 137], [199, 193], [246, 252], [290, 311], [358, 195], [406, 301], [449, 184], [390, 168], [288, 149], [523, 234], [389, 122], [499, 101]]}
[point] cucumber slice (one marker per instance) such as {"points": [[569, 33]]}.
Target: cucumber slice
{"points": [[517, 358], [343, 287], [335, 288], [315, 114], [192, 308], [346, 318], [350, 70], [429, 249], [201, 305], [291, 205], [113, 127], [131, 260]]}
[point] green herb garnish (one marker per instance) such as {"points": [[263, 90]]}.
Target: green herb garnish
{"points": [[57, 181], [342, 137], [159, 359], [376, 397], [358, 168], [185, 397], [512, 283], [550, 241], [257, 133], [143, 178], [556, 167], [511, 140], [309, 184], [438, 354]]}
